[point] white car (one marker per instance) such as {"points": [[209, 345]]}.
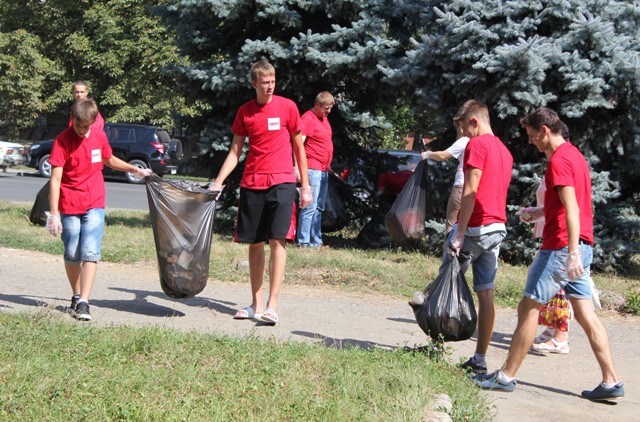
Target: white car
{"points": [[11, 154]]}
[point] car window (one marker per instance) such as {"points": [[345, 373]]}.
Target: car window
{"points": [[121, 135]]}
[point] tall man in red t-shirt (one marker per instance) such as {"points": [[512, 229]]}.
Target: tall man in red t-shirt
{"points": [[268, 186], [564, 259], [480, 229], [77, 198], [318, 145]]}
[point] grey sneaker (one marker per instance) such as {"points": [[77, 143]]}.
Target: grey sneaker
{"points": [[476, 368], [82, 312], [603, 393], [490, 382], [74, 303]]}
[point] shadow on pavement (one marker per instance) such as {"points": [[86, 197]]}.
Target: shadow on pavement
{"points": [[341, 343], [24, 300]]}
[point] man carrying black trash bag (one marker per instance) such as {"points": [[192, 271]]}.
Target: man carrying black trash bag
{"points": [[481, 221]]}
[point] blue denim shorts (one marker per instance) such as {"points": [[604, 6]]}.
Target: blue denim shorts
{"points": [[547, 275], [481, 252], [82, 235]]}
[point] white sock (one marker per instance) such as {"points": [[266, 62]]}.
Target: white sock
{"points": [[83, 300], [608, 386], [503, 379], [477, 358]]}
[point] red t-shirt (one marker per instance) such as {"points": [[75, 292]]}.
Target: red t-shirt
{"points": [[82, 184], [269, 128], [97, 124], [317, 145], [567, 167], [488, 153]]}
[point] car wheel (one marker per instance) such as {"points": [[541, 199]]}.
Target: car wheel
{"points": [[134, 178], [44, 167]]}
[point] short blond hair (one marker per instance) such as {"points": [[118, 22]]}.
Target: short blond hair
{"points": [[470, 109], [262, 68], [325, 98], [79, 82]]}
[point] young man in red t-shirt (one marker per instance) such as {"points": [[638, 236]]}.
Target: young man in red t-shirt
{"points": [[480, 229], [268, 186], [77, 199], [564, 259], [318, 146]]}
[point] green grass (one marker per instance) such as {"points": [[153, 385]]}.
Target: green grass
{"points": [[63, 371]]}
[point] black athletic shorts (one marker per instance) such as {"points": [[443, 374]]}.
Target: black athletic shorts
{"points": [[265, 214]]}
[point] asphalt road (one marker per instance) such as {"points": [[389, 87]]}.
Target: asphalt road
{"points": [[24, 185]]}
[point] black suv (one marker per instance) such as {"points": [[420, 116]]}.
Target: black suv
{"points": [[143, 146]]}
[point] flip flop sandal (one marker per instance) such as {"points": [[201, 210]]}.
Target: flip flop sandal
{"points": [[270, 316], [247, 313]]}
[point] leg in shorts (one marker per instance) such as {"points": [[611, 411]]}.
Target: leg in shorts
{"points": [[82, 235], [481, 252], [265, 214], [547, 275]]}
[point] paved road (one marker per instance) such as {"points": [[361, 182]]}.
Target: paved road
{"points": [[24, 185], [548, 389]]}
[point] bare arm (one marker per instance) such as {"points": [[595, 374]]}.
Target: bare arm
{"points": [[117, 164], [54, 190], [300, 158], [438, 155], [471, 183], [233, 157], [568, 199]]}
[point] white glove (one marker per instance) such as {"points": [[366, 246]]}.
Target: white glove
{"points": [[456, 243], [531, 214], [306, 198], [424, 155], [53, 223], [216, 187], [143, 172], [574, 265]]}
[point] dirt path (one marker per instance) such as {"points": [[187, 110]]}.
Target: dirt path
{"points": [[549, 386]]}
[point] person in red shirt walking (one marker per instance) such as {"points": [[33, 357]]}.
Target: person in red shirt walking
{"points": [[318, 146], [77, 199], [564, 259], [480, 228], [268, 186]]}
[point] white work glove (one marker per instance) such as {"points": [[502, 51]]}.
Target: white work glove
{"points": [[574, 265], [531, 214], [424, 155], [456, 243], [54, 225], [216, 187], [306, 198], [143, 172]]}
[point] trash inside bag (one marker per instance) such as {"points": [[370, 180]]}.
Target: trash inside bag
{"points": [[182, 220], [445, 309], [405, 220]]}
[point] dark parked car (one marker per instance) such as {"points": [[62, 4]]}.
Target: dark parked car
{"points": [[143, 146]]}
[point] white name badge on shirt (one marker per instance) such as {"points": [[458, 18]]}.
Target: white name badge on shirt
{"points": [[96, 157], [274, 123]]}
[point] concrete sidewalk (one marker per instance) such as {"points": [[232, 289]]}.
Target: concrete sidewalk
{"points": [[549, 386]]}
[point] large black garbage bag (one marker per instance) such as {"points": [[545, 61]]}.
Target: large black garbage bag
{"points": [[447, 309], [333, 216], [40, 206], [182, 220], [405, 220], [374, 234]]}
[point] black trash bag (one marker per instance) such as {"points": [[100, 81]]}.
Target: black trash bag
{"points": [[40, 206], [182, 220], [333, 216], [405, 220], [446, 308], [374, 234]]}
